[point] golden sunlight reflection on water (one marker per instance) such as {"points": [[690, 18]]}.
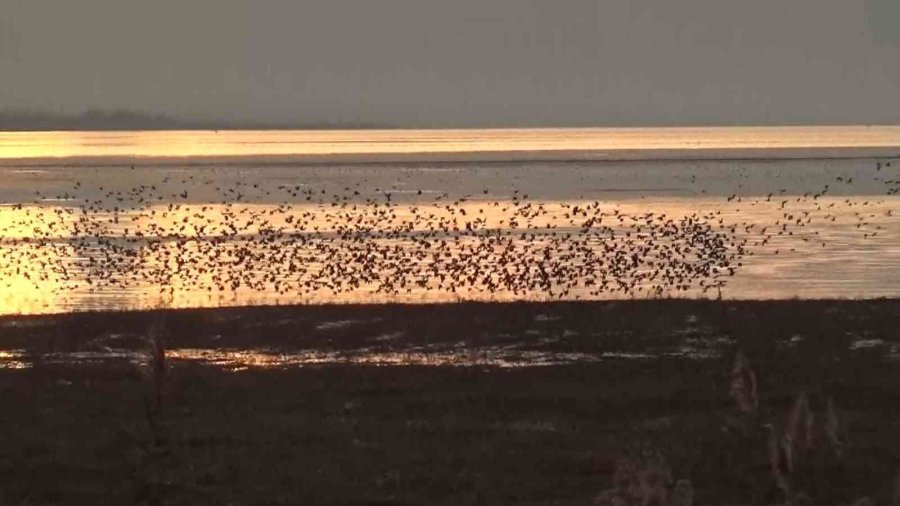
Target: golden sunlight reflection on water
{"points": [[462, 355], [85, 236], [824, 258], [163, 144]]}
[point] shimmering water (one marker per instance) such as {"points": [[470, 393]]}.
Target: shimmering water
{"points": [[111, 233], [460, 355], [530, 143]]}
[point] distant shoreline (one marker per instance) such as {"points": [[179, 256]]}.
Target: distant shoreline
{"points": [[190, 128], [124, 120]]}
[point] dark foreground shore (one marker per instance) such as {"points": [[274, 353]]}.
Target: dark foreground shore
{"points": [[564, 394]]}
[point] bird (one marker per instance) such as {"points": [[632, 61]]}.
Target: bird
{"points": [[211, 231]]}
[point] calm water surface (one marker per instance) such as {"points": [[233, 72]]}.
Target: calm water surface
{"points": [[110, 220], [635, 143]]}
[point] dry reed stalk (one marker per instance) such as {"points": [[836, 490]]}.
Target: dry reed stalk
{"points": [[158, 363], [809, 440], [832, 426], [625, 475], [777, 461], [645, 480], [743, 385], [799, 418], [654, 479], [653, 485], [155, 369], [624, 479], [790, 446]]}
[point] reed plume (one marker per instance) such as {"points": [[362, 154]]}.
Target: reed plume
{"points": [[778, 461], [743, 385], [799, 425], [155, 372], [646, 481], [831, 425], [683, 494], [653, 482], [158, 363]]}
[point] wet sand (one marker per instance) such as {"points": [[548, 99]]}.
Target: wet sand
{"points": [[530, 431]]}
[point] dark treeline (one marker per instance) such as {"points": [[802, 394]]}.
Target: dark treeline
{"points": [[124, 119]]}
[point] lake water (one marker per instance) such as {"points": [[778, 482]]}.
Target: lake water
{"points": [[119, 220], [442, 145]]}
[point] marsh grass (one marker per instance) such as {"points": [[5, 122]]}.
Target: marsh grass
{"points": [[645, 479], [154, 372], [803, 444], [149, 460], [439, 435]]}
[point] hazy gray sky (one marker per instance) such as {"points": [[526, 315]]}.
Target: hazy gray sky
{"points": [[459, 62]]}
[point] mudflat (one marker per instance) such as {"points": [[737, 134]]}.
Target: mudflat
{"points": [[469, 403]]}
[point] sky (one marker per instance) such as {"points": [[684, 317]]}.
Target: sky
{"points": [[459, 63]]}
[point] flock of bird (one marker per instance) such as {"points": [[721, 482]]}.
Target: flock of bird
{"points": [[302, 241]]}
